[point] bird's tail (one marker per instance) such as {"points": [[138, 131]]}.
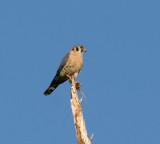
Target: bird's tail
{"points": [[50, 90]]}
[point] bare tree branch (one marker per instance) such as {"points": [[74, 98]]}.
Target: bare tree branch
{"points": [[81, 130]]}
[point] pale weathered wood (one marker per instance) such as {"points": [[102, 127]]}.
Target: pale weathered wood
{"points": [[81, 130]]}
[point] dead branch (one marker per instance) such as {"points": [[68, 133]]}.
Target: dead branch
{"points": [[81, 130]]}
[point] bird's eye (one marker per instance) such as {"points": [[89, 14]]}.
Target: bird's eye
{"points": [[81, 47], [77, 49]]}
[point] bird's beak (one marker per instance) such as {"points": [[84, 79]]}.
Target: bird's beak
{"points": [[84, 50]]}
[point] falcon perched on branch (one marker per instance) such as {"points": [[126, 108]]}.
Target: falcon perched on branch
{"points": [[70, 66]]}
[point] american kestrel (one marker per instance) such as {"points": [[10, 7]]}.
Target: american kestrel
{"points": [[71, 65]]}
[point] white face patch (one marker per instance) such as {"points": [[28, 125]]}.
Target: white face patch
{"points": [[79, 50]]}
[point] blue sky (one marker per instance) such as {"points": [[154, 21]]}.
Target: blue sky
{"points": [[120, 77]]}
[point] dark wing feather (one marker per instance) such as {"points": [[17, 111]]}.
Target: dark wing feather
{"points": [[56, 81], [62, 64]]}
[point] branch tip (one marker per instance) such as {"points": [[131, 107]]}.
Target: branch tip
{"points": [[91, 136]]}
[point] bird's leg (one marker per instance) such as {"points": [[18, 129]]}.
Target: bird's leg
{"points": [[70, 78]]}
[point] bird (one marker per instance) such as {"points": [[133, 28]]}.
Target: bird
{"points": [[71, 65]]}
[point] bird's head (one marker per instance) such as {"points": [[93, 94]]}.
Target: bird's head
{"points": [[79, 48]]}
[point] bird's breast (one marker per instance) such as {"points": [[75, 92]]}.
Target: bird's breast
{"points": [[74, 64]]}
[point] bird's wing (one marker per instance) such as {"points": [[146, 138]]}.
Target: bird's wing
{"points": [[62, 64], [55, 82]]}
